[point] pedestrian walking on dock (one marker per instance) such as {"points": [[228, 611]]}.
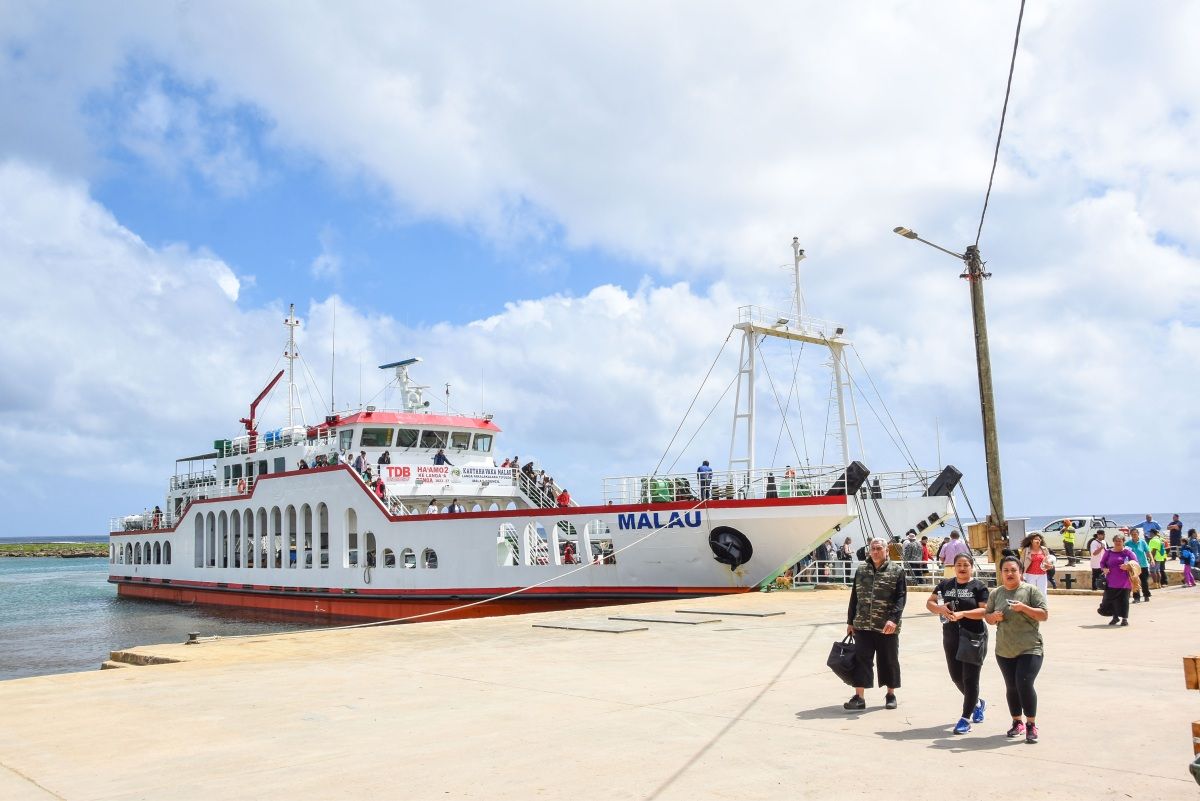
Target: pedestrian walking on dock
{"points": [[1118, 565], [1016, 608], [1097, 548], [877, 600], [950, 550], [1158, 556], [1138, 546], [1035, 561], [1188, 560], [912, 556], [961, 602]]}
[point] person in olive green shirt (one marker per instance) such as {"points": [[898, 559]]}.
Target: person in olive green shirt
{"points": [[1016, 609]]}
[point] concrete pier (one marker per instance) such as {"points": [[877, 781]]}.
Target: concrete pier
{"points": [[742, 707]]}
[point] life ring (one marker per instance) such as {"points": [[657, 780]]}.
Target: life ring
{"points": [[241, 486]]}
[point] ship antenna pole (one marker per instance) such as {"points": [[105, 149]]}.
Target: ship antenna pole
{"points": [[332, 358], [291, 322], [798, 253]]}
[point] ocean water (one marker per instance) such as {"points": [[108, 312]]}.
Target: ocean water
{"points": [[62, 615]]}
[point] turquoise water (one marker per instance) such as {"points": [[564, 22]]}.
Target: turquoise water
{"points": [[62, 615]]}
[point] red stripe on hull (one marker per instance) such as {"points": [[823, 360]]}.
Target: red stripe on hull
{"points": [[368, 608]]}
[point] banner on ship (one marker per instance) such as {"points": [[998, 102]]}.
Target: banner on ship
{"points": [[406, 473]]}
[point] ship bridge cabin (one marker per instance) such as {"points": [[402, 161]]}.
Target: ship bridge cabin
{"points": [[401, 451]]}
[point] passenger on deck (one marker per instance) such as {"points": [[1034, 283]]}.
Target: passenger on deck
{"points": [[564, 499], [432, 509], [440, 458], [302, 466], [157, 520], [381, 489], [360, 463], [454, 508], [704, 478], [385, 458], [333, 459], [505, 464], [321, 461], [568, 554], [772, 490]]}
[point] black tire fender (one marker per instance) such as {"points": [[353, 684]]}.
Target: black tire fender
{"points": [[730, 546]]}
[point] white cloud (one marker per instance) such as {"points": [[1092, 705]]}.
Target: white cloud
{"points": [[327, 264], [695, 141]]}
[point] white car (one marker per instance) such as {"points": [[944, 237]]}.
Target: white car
{"points": [[1085, 528]]}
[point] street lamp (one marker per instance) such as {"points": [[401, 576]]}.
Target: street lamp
{"points": [[975, 275]]}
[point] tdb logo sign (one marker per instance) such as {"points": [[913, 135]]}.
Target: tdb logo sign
{"points": [[631, 521]]}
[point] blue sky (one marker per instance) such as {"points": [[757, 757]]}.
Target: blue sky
{"points": [[561, 208]]}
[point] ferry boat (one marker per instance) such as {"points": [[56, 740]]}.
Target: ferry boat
{"points": [[430, 524]]}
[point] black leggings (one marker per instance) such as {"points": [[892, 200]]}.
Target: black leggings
{"points": [[1019, 675], [964, 675]]}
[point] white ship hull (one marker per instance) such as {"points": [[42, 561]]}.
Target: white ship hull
{"points": [[319, 542]]}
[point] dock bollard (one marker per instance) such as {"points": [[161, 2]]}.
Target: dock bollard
{"points": [[193, 638]]}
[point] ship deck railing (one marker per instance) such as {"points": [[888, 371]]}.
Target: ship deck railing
{"points": [[787, 322], [760, 483]]}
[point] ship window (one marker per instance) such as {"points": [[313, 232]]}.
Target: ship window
{"points": [[460, 439], [227, 475], [389, 557], [235, 471], [433, 439], [406, 438], [166, 553], [249, 469], [262, 467], [408, 558], [429, 559], [345, 439], [376, 438], [483, 442], [280, 464]]}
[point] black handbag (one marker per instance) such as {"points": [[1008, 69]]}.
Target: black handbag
{"points": [[972, 646], [841, 659], [1107, 608]]}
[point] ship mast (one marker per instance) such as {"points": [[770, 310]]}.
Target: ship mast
{"points": [[756, 322], [291, 355]]}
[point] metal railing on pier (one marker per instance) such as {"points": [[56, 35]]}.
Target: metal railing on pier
{"points": [[920, 576]]}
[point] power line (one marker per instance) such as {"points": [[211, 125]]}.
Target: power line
{"points": [[1000, 133]]}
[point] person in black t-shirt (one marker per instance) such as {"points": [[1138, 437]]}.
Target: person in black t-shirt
{"points": [[953, 596]]}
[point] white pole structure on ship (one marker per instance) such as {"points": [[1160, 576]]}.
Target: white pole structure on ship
{"points": [[290, 354], [798, 253]]}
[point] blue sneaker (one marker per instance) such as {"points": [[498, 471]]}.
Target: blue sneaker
{"points": [[963, 726], [977, 715]]}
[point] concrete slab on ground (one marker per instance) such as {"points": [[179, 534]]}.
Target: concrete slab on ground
{"points": [[497, 709]]}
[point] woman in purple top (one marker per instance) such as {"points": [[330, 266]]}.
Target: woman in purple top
{"points": [[1114, 563]]}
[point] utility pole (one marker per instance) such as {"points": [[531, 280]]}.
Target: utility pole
{"points": [[997, 526]]}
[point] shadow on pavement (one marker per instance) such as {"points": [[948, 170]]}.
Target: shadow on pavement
{"points": [[830, 712], [940, 737]]}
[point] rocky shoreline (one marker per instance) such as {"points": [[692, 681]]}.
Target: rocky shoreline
{"points": [[63, 550]]}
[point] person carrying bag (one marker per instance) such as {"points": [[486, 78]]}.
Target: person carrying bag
{"points": [[964, 639]]}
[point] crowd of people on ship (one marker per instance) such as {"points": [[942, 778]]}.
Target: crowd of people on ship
{"points": [[535, 483]]}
